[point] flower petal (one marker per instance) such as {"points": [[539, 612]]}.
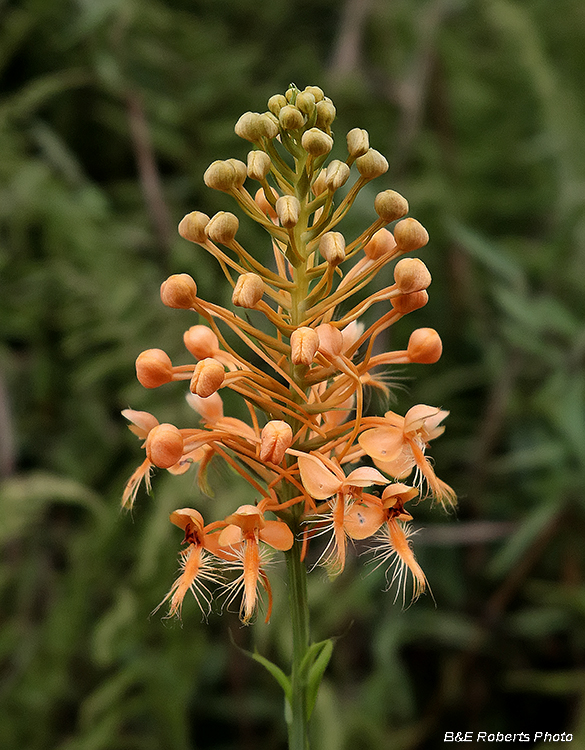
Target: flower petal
{"points": [[363, 519], [382, 443], [319, 482], [364, 476], [277, 534]]}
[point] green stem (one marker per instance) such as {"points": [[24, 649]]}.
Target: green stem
{"points": [[298, 721]]}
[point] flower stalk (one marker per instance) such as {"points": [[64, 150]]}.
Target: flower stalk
{"points": [[309, 450]]}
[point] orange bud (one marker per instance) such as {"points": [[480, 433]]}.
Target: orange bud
{"points": [[424, 346], [288, 210], [222, 227], [154, 368], [332, 247], [263, 203], [276, 437], [179, 291], [304, 342], [207, 377], [201, 341], [390, 205], [411, 275], [320, 183], [410, 235], [330, 340], [406, 303], [164, 445], [192, 227], [248, 290], [381, 244]]}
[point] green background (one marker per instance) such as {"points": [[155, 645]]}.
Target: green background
{"points": [[110, 111]]}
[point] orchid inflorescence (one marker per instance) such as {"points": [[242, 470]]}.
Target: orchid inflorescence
{"points": [[309, 446]]}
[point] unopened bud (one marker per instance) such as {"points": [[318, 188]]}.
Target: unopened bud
{"points": [[179, 291], [291, 118], [276, 103], [201, 341], [207, 377], [382, 243], [305, 101], [407, 303], [317, 92], [276, 437], [330, 340], [320, 184], [358, 142], [337, 174], [316, 142], [222, 227], [410, 235], [264, 205], [248, 290], [164, 445], [424, 346], [258, 165], [390, 205], [240, 170], [325, 113], [372, 164], [223, 175], [269, 125], [192, 227], [253, 126], [411, 275], [304, 342], [288, 210], [332, 247], [154, 368]]}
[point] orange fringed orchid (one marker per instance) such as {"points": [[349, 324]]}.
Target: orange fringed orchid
{"points": [[398, 445]]}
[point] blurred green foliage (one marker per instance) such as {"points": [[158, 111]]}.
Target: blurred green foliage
{"points": [[109, 113]]}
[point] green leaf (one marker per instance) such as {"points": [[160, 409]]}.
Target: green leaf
{"points": [[316, 673], [275, 671]]}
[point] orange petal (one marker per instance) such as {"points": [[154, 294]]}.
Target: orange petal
{"points": [[319, 482], [382, 443], [362, 520], [230, 536], [364, 476], [278, 535]]}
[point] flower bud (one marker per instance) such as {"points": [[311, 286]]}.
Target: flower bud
{"points": [[276, 103], [154, 368], [258, 165], [291, 118], [164, 445], [276, 437], [248, 290], [222, 175], [382, 243], [304, 342], [390, 205], [263, 203], [358, 142], [411, 275], [201, 341], [337, 174], [305, 101], [192, 227], [316, 142], [330, 340], [320, 183], [332, 247], [424, 346], [410, 235], [179, 291], [406, 303], [222, 227], [253, 126], [316, 91], [288, 210], [325, 114], [207, 377], [268, 125], [240, 170], [372, 164]]}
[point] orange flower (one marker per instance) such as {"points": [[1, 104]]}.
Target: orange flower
{"points": [[399, 445], [246, 528]]}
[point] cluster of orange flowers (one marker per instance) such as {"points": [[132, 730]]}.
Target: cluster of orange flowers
{"points": [[308, 449]]}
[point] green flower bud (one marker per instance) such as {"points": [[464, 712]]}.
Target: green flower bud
{"points": [[276, 103], [316, 91], [325, 114], [316, 142], [305, 102], [390, 205]]}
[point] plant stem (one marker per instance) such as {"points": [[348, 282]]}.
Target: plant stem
{"points": [[298, 735]]}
